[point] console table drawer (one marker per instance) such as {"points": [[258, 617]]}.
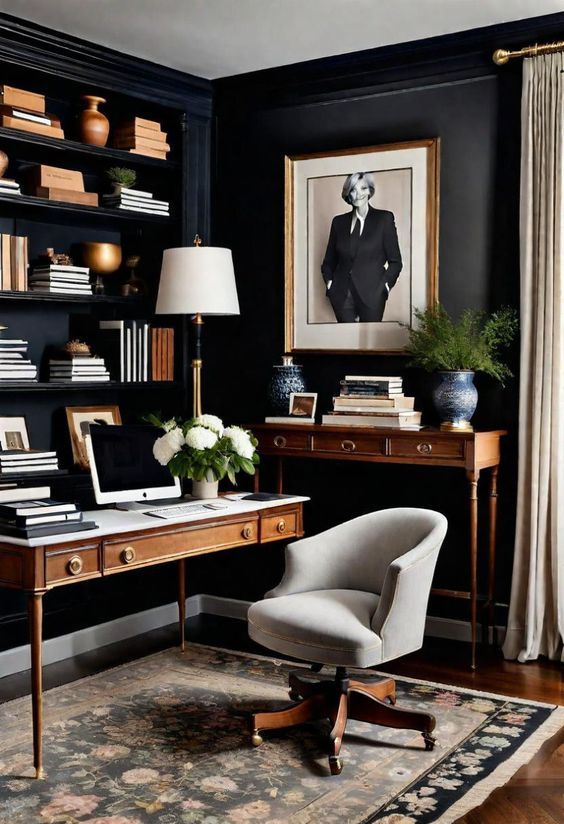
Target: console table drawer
{"points": [[65, 565], [187, 541], [275, 527], [422, 447], [349, 443], [279, 441]]}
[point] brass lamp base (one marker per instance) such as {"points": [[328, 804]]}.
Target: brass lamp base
{"points": [[456, 426]]}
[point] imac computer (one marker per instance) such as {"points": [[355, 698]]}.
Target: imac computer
{"points": [[124, 470]]}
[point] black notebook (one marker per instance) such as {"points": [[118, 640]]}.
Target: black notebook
{"points": [[266, 496]]}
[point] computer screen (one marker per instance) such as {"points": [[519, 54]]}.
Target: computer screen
{"points": [[123, 465]]}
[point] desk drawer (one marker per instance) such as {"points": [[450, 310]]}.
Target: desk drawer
{"points": [[144, 551], [279, 441], [427, 447], [355, 443], [66, 565], [274, 527]]}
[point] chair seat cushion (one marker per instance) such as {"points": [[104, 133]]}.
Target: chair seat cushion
{"points": [[330, 626]]}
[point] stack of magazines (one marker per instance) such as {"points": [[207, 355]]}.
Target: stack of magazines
{"points": [[9, 187], [133, 200], [36, 518], [373, 400], [14, 365], [78, 370], [14, 461], [60, 279]]}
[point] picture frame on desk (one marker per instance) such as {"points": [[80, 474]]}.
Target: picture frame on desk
{"points": [[361, 303], [79, 419], [13, 433], [303, 404]]}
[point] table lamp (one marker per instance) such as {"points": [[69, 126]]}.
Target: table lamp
{"points": [[197, 280]]}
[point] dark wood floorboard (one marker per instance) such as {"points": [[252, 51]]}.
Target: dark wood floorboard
{"points": [[535, 794]]}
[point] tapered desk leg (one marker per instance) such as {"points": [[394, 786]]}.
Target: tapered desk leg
{"points": [[491, 551], [35, 613], [473, 478], [182, 602], [279, 475], [256, 480]]}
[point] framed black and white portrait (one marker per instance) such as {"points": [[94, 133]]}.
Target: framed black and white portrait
{"points": [[361, 246], [13, 433]]}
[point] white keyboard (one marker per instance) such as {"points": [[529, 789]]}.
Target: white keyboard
{"points": [[178, 510]]}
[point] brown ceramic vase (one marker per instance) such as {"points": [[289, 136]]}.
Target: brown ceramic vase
{"points": [[3, 163], [93, 126]]}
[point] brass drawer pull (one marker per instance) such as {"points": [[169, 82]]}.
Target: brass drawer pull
{"points": [[280, 441], [348, 446], [425, 448], [247, 532], [75, 565], [281, 526], [128, 555]]}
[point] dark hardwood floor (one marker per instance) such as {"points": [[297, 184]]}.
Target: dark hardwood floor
{"points": [[535, 794]]}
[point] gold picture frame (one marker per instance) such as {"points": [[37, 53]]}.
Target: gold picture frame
{"points": [[79, 418], [404, 182]]}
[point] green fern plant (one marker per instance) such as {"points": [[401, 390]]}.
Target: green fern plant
{"points": [[119, 174], [473, 342]]}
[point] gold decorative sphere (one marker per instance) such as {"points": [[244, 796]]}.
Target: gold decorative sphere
{"points": [[501, 57]]}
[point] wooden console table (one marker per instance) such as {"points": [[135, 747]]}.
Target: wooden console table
{"points": [[470, 451], [126, 541]]}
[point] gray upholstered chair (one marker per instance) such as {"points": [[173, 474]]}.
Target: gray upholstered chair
{"points": [[353, 596]]}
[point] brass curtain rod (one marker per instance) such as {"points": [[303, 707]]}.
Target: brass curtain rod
{"points": [[503, 56]]}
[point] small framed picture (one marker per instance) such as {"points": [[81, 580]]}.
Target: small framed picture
{"points": [[13, 433], [79, 419], [302, 404]]}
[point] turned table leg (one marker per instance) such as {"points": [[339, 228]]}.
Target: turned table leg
{"points": [[35, 612], [182, 603], [279, 475], [473, 478], [491, 551]]}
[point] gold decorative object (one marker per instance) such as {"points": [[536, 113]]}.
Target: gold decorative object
{"points": [[58, 258], [134, 286], [3, 163], [77, 349], [502, 56], [103, 259]]}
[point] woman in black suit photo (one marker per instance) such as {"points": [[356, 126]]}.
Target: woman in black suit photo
{"points": [[363, 260]]}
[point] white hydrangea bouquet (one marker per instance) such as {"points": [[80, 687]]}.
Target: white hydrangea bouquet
{"points": [[203, 449]]}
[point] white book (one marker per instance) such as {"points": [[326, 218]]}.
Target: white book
{"points": [[382, 378], [35, 118], [63, 277], [128, 355], [49, 519], [133, 350], [59, 290], [137, 193], [63, 267], [287, 419], [84, 379], [133, 201], [75, 369], [77, 362], [17, 376], [13, 470], [139, 209], [25, 454], [9, 184], [146, 327], [21, 493], [35, 462]]}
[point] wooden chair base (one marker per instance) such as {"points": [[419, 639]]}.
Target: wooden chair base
{"points": [[339, 700]]}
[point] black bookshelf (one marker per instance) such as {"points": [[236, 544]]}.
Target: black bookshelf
{"points": [[84, 386]]}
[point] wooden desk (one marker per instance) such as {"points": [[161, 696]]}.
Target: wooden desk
{"points": [[126, 541], [469, 451]]}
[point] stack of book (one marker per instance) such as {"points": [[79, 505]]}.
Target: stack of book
{"points": [[20, 109], [142, 137], [78, 370], [134, 351], [11, 491], [60, 279], [133, 200], [13, 262], [37, 518], [14, 366], [9, 187], [14, 461], [55, 183], [373, 400]]}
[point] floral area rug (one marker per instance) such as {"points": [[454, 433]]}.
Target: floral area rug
{"points": [[165, 740]]}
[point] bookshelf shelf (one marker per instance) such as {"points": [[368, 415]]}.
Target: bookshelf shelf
{"points": [[39, 205], [68, 147], [85, 386], [36, 297]]}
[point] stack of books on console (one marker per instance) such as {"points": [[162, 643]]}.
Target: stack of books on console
{"points": [[78, 370], [373, 400], [20, 109], [60, 279], [9, 187], [14, 461], [14, 366], [132, 200], [142, 137], [36, 518]]}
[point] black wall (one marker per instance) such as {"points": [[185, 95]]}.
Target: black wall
{"points": [[449, 88]]}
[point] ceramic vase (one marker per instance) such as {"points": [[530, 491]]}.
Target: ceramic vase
{"points": [[205, 489], [3, 163], [94, 126], [287, 378], [455, 398]]}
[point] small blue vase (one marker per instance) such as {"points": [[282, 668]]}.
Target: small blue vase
{"points": [[455, 398], [287, 378]]}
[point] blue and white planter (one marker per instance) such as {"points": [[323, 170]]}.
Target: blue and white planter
{"points": [[455, 398]]}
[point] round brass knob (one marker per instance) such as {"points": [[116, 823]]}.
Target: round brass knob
{"points": [[247, 532], [348, 446], [75, 565], [128, 555], [280, 441], [281, 525], [425, 448]]}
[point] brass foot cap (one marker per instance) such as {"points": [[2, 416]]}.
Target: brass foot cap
{"points": [[39, 772], [335, 765], [256, 739]]}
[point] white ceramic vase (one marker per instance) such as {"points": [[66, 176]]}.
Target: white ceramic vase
{"points": [[204, 489]]}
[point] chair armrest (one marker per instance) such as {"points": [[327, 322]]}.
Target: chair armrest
{"points": [[311, 563]]}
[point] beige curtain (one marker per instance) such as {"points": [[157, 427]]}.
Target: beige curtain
{"points": [[536, 613]]}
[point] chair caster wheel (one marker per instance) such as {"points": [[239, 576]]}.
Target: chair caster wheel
{"points": [[335, 765], [429, 740], [293, 695], [256, 739]]}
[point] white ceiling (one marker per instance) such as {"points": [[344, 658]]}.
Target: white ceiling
{"points": [[217, 38]]}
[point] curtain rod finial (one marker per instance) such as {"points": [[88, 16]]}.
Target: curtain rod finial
{"points": [[501, 57]]}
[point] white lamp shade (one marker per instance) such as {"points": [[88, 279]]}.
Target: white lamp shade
{"points": [[197, 279]]}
